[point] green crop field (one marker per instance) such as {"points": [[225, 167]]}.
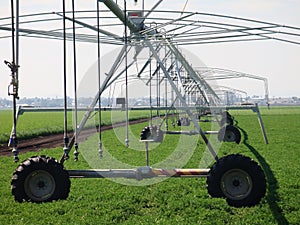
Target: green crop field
{"points": [[174, 200], [32, 124]]}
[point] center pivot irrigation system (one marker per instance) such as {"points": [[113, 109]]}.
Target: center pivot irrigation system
{"points": [[237, 178]]}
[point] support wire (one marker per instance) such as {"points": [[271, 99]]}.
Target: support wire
{"points": [[99, 82], [126, 76], [76, 153], [66, 138]]}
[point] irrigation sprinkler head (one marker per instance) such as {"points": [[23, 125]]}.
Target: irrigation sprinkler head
{"points": [[167, 126], [15, 153], [76, 153], [127, 143], [66, 152]]}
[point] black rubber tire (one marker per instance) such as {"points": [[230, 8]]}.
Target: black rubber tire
{"points": [[154, 134], [237, 178], [146, 133], [225, 114], [40, 179], [228, 120], [229, 133]]}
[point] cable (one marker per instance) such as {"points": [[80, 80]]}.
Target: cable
{"points": [[66, 138], [13, 32], [150, 92], [158, 92], [126, 76], [99, 83], [184, 6], [76, 153]]}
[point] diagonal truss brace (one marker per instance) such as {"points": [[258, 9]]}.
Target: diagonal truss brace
{"points": [[181, 98]]}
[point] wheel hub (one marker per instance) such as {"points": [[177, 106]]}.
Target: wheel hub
{"points": [[229, 136], [39, 185], [236, 184]]}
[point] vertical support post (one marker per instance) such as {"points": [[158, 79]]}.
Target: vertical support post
{"points": [[150, 91], [66, 148], [76, 153], [261, 124], [100, 151], [126, 75], [166, 103], [14, 84]]}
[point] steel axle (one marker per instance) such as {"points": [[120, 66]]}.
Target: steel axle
{"points": [[138, 174]]}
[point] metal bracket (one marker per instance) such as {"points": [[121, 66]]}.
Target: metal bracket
{"points": [[14, 83]]}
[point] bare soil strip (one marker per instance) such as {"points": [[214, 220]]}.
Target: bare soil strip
{"points": [[56, 140]]}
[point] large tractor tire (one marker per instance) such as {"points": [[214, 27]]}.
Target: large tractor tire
{"points": [[237, 178], [40, 179]]}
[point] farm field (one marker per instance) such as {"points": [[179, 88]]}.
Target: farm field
{"points": [[32, 124], [173, 201]]}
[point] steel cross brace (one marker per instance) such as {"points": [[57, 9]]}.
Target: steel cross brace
{"points": [[181, 98]]}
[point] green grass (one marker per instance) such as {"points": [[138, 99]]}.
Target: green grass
{"points": [[173, 201], [32, 124]]}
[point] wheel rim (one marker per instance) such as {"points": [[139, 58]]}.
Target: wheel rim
{"points": [[236, 184], [39, 185], [229, 136]]}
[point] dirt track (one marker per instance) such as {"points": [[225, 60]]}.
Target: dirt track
{"points": [[56, 140]]}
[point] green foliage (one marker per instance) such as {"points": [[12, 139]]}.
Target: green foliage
{"points": [[173, 201]]}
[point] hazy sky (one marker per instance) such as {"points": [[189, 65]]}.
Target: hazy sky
{"points": [[41, 60]]}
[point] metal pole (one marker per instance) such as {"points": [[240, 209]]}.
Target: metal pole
{"points": [[261, 124], [99, 82], [126, 77], [147, 153], [150, 92], [76, 153], [14, 84], [66, 148], [120, 14], [91, 108], [182, 100], [139, 173]]}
